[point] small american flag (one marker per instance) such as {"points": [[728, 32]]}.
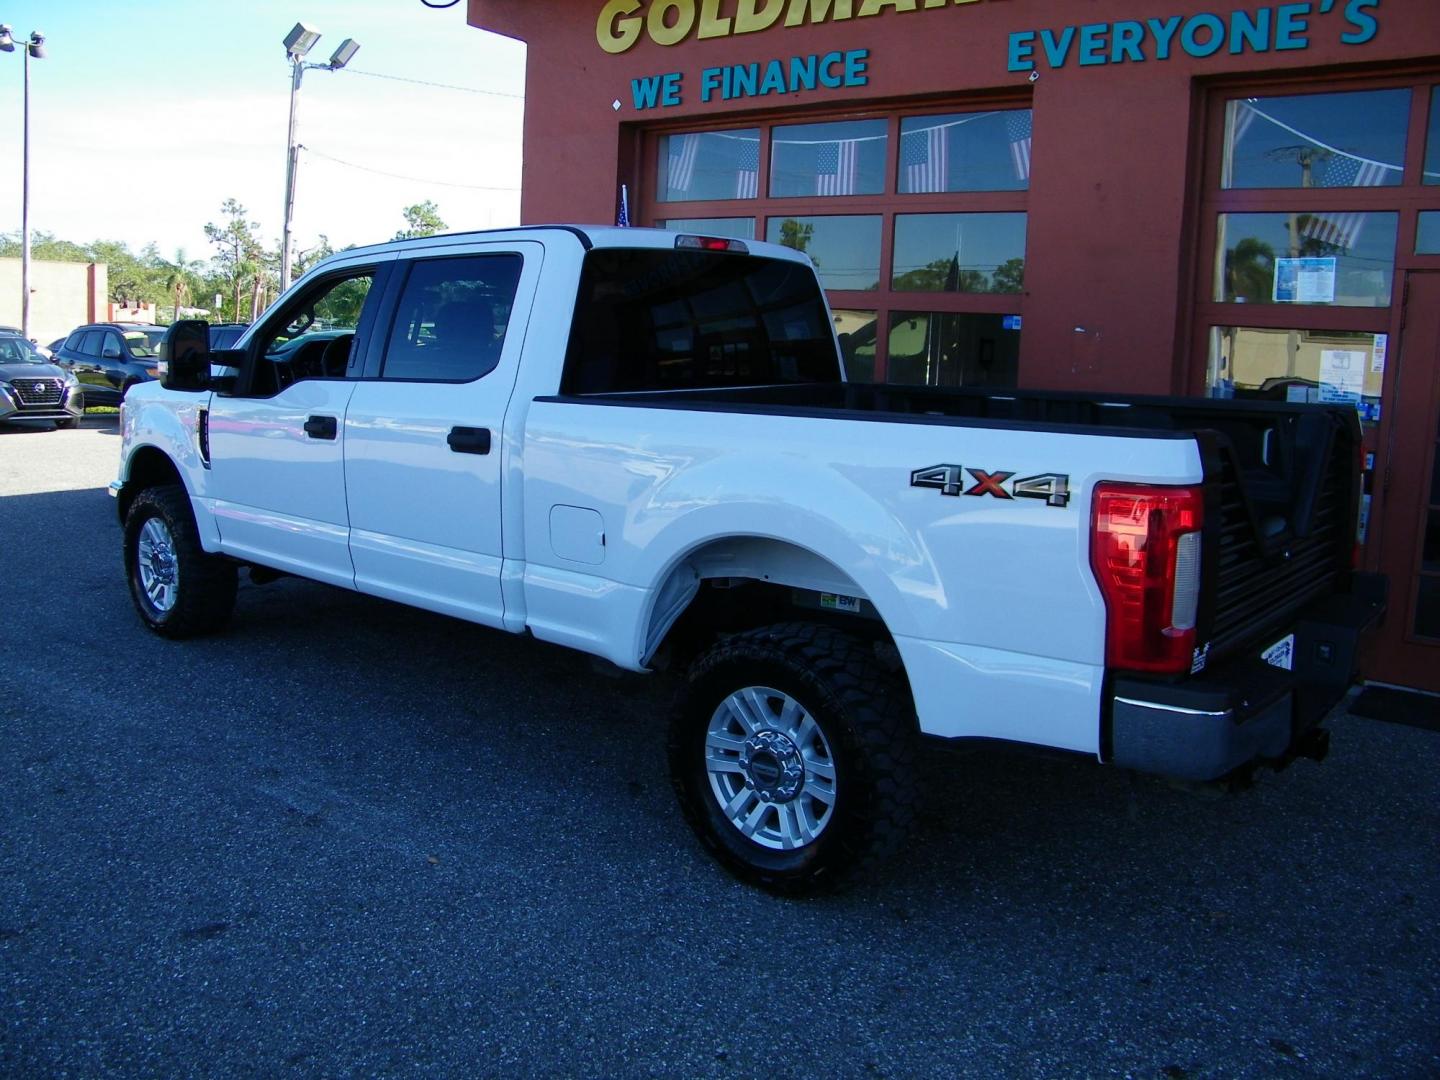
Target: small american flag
{"points": [[622, 219], [836, 169], [683, 150], [924, 154], [1018, 128], [1343, 170], [747, 175]]}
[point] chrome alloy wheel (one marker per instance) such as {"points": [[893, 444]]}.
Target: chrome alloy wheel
{"points": [[771, 768], [159, 572]]}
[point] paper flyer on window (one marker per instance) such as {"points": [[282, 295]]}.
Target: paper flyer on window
{"points": [[1342, 376], [1304, 281]]}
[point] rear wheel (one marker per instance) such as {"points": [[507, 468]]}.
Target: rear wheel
{"points": [[792, 754], [178, 588]]}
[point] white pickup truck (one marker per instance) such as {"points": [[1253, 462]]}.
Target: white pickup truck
{"points": [[641, 445]]}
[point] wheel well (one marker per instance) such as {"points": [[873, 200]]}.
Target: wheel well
{"points": [[741, 583], [149, 468]]}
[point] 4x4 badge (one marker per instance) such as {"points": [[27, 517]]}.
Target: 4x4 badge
{"points": [[1054, 488]]}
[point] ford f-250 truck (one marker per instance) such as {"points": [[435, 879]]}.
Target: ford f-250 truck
{"points": [[641, 445]]}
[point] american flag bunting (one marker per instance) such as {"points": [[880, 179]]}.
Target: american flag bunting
{"points": [[836, 169], [924, 155]]}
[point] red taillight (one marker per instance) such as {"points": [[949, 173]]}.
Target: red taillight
{"points": [[1145, 551]]}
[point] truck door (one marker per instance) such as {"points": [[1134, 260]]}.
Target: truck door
{"points": [[277, 478], [424, 438]]}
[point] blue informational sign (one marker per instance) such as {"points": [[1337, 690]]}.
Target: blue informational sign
{"points": [[1304, 281], [1010, 322]]}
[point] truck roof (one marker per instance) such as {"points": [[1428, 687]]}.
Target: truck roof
{"points": [[588, 236]]}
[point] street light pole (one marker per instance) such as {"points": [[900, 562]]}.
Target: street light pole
{"points": [[298, 43], [292, 154], [25, 210], [34, 47]]}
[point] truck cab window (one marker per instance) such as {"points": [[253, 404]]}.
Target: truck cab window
{"points": [[451, 321], [682, 320], [313, 337]]}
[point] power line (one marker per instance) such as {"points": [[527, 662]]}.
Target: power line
{"points": [[400, 176], [440, 85]]}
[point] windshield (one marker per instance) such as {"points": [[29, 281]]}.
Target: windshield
{"points": [[144, 342], [14, 350]]}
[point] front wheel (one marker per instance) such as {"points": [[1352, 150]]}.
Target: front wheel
{"points": [[792, 754], [178, 588]]}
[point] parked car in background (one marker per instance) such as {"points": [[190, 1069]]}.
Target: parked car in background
{"points": [[224, 335], [32, 388], [109, 358]]}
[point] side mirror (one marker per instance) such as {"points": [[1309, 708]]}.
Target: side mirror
{"points": [[110, 352], [184, 355]]}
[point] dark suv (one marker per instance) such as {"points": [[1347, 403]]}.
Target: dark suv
{"points": [[109, 358]]}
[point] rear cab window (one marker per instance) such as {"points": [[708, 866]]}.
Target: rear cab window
{"points": [[661, 319]]}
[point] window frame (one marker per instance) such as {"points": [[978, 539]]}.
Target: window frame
{"points": [[889, 204], [403, 273], [1406, 200], [264, 331]]}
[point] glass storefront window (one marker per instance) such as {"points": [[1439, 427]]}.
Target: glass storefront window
{"points": [[985, 151], [1427, 236], [1343, 258], [709, 165], [1331, 366], [856, 331], [844, 248], [1344, 140], [819, 160], [733, 228], [973, 253], [1432, 140], [931, 348]]}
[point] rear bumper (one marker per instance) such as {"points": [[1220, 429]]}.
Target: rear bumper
{"points": [[1245, 711]]}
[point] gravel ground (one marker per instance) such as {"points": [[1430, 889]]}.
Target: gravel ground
{"points": [[350, 839]]}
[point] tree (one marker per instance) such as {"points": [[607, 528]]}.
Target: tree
{"points": [[1009, 277], [1250, 271], [239, 254], [422, 219], [309, 257], [181, 280], [942, 275], [797, 235]]}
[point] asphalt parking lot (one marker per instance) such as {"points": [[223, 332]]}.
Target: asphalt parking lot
{"points": [[350, 839]]}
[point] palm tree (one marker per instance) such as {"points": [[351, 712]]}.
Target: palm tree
{"points": [[179, 281]]}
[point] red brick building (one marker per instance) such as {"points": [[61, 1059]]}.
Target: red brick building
{"points": [[1241, 199]]}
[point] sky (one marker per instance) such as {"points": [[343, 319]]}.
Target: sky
{"points": [[147, 115]]}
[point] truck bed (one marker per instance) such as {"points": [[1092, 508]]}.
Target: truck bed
{"points": [[1283, 478]]}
